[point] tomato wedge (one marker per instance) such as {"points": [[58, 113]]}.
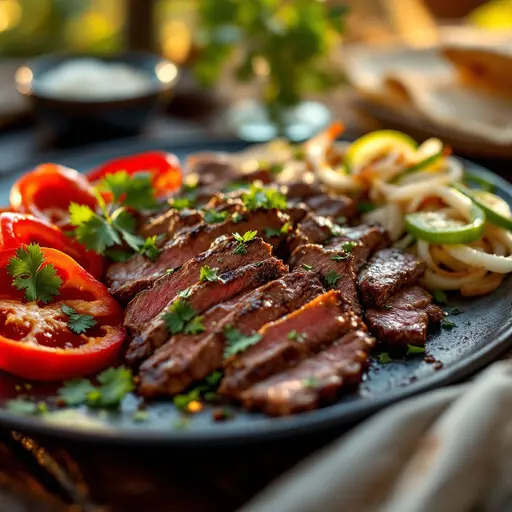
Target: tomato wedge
{"points": [[47, 191], [35, 340], [164, 167], [19, 229]]}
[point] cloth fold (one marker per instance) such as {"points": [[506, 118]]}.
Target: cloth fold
{"points": [[449, 450]]}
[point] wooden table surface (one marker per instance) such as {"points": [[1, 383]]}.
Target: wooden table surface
{"points": [[57, 475]]}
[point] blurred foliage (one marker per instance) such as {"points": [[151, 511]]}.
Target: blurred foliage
{"points": [[285, 41], [31, 27], [496, 14]]}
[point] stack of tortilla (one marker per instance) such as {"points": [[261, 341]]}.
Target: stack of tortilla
{"points": [[458, 91]]}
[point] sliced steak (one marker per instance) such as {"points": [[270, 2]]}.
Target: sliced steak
{"points": [[313, 229], [186, 359], [211, 168], [147, 304], [203, 296], [297, 212], [339, 272], [128, 278], [315, 381], [387, 272], [289, 340], [405, 318], [301, 190], [333, 207], [369, 238], [171, 222]]}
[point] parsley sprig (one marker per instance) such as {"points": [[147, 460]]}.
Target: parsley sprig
{"points": [[242, 240], [78, 323], [237, 342], [261, 197], [214, 217], [39, 281], [205, 390], [332, 278], [114, 385], [182, 317], [209, 274]]}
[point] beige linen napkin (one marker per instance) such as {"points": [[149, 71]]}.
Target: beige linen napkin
{"points": [[449, 450]]}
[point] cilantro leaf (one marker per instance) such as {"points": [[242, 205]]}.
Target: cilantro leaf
{"points": [[185, 294], [267, 198], [135, 191], [75, 391], [178, 318], [440, 297], [114, 385], [181, 203], [118, 255], [39, 282], [332, 278], [448, 324], [205, 388], [124, 222], [238, 342], [237, 217], [76, 322], [340, 257], [348, 246], [209, 274], [149, 248], [297, 336], [414, 350], [215, 217], [235, 185], [305, 266], [272, 232], [384, 358], [242, 240]]}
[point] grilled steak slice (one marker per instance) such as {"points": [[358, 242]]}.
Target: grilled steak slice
{"points": [[338, 272], [147, 304], [405, 318], [387, 272], [297, 212], [171, 222], [211, 168], [301, 190], [203, 296], [333, 207], [185, 359], [289, 340], [313, 229], [369, 238], [128, 278], [314, 381]]}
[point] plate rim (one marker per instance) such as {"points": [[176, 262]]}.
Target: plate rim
{"points": [[270, 429]]}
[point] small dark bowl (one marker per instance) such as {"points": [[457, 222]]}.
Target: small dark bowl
{"points": [[80, 120]]}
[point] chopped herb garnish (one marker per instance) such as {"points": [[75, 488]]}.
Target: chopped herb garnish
{"points": [[259, 264], [235, 185], [236, 217], [76, 322], [182, 317], [310, 382], [118, 255], [305, 266], [169, 271], [341, 219], [215, 217], [440, 297], [335, 230], [149, 248], [181, 203], [140, 416], [388, 306], [297, 336], [384, 358], [348, 247], [267, 198], [365, 206], [340, 257], [447, 324], [39, 280], [455, 311], [238, 342], [415, 350], [114, 385], [21, 406], [209, 274], [332, 278], [242, 240], [205, 390], [272, 232], [185, 294], [135, 191]]}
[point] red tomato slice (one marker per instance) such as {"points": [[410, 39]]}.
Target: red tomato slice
{"points": [[164, 167], [19, 229], [35, 340], [47, 191]]}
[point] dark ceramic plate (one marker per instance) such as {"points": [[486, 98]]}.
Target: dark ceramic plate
{"points": [[483, 331]]}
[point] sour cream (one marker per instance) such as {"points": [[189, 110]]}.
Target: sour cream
{"points": [[94, 79]]}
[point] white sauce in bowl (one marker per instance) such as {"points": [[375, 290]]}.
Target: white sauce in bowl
{"points": [[94, 79]]}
